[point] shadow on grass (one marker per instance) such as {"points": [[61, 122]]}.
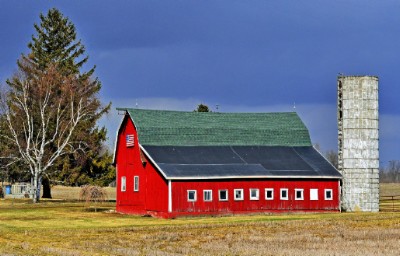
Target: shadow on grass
{"points": [[98, 209]]}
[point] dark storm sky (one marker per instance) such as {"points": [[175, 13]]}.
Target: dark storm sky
{"points": [[242, 55]]}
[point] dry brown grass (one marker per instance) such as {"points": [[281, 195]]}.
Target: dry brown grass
{"points": [[54, 228], [389, 189], [72, 193], [70, 231]]}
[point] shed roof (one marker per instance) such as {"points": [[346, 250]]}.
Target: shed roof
{"points": [[179, 128]]}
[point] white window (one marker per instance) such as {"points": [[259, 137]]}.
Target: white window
{"points": [[223, 195], [238, 194], [207, 195], [328, 194], [254, 194], [136, 183], [269, 194], [284, 194], [191, 195], [314, 194], [123, 183], [299, 194]]}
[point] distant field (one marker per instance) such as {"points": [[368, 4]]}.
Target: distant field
{"points": [[72, 193], [389, 189], [73, 228]]}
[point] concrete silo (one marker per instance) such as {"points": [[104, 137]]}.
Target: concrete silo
{"points": [[358, 140]]}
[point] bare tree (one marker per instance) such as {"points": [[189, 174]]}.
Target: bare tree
{"points": [[394, 170], [42, 110], [390, 174], [332, 157]]}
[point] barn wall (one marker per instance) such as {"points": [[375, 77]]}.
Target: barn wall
{"points": [[153, 190], [180, 202], [156, 190]]}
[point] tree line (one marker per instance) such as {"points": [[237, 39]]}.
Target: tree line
{"points": [[390, 173], [387, 174], [49, 110]]}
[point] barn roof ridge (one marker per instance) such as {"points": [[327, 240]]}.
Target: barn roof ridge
{"points": [[195, 112], [184, 128]]}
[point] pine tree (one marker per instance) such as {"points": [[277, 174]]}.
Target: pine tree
{"points": [[56, 44]]}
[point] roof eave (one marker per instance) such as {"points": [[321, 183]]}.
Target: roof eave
{"points": [[116, 139], [119, 129], [153, 162], [252, 177]]}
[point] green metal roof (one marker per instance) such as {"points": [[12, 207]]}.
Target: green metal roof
{"points": [[178, 128]]}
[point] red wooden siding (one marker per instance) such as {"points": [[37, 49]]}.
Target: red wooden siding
{"points": [[153, 188], [180, 202], [156, 190]]}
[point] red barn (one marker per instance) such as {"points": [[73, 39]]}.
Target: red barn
{"points": [[173, 163]]}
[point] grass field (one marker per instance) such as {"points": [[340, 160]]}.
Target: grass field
{"points": [[73, 228]]}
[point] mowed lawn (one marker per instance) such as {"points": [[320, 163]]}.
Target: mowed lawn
{"points": [[72, 228]]}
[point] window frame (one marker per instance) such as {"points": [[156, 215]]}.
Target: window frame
{"points": [[257, 197], [123, 183], [312, 195], [287, 194], [266, 194], [136, 183], [241, 194], [295, 194], [195, 195], [204, 195], [325, 194], [226, 193]]}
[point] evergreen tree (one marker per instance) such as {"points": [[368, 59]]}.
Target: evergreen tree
{"points": [[56, 44]]}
